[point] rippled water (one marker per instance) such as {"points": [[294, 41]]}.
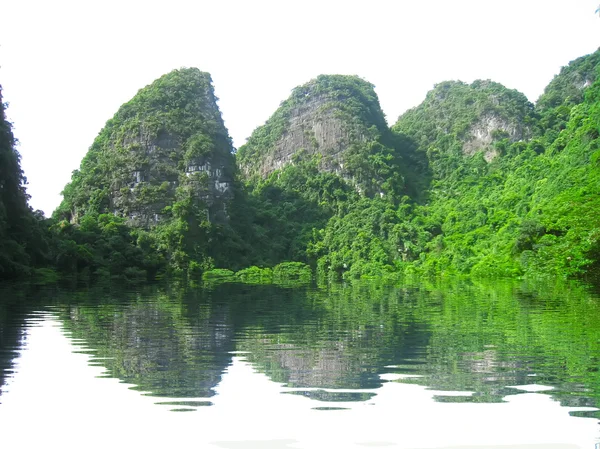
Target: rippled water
{"points": [[412, 366]]}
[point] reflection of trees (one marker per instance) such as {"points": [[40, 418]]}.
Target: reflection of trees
{"points": [[485, 337], [13, 314], [356, 331], [457, 336], [160, 341], [11, 340]]}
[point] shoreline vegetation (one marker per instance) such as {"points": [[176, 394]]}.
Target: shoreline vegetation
{"points": [[476, 182]]}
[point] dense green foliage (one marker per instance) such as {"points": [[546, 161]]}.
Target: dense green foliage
{"points": [[365, 152], [528, 211], [568, 87], [474, 181], [22, 242], [514, 206], [154, 167], [102, 246], [285, 274]]}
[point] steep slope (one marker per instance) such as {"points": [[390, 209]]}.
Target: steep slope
{"points": [[167, 145], [324, 151], [337, 120], [163, 165]]}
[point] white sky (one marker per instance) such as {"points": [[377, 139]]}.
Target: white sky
{"points": [[67, 66]]}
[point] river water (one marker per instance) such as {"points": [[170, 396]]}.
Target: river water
{"points": [[419, 365]]}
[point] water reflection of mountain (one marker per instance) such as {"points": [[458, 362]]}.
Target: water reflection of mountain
{"points": [[323, 338], [333, 358], [164, 342], [482, 338], [178, 342], [488, 337]]}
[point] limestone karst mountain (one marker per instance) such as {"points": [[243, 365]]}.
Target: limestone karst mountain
{"points": [[475, 180], [336, 119], [458, 118], [167, 145]]}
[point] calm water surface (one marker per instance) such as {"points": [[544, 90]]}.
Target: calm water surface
{"points": [[459, 365]]}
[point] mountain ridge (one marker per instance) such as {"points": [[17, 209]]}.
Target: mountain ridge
{"points": [[476, 180]]}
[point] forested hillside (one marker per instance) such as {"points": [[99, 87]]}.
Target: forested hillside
{"points": [[326, 150], [160, 175], [497, 187], [512, 188], [528, 210], [21, 242], [476, 180], [503, 188]]}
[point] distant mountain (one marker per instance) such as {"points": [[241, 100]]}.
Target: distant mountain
{"points": [[568, 87], [566, 90], [462, 119]]}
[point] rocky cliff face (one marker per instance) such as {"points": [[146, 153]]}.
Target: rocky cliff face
{"points": [[312, 127], [468, 118], [165, 147], [325, 117], [488, 128]]}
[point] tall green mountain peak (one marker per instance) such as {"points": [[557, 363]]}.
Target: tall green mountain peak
{"points": [[475, 180], [336, 119], [168, 144]]}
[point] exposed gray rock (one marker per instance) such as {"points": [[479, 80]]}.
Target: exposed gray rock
{"points": [[314, 128], [333, 118], [488, 128]]}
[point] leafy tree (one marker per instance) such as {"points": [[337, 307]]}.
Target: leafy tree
{"points": [[22, 240]]}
